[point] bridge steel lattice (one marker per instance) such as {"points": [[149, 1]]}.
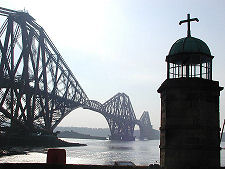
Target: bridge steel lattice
{"points": [[37, 88], [119, 114]]}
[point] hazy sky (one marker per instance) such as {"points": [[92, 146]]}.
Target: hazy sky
{"points": [[116, 46]]}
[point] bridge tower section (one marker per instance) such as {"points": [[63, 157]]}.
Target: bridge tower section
{"points": [[145, 126], [37, 88], [190, 129], [120, 116]]}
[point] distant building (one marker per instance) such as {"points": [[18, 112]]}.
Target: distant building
{"points": [[190, 129]]}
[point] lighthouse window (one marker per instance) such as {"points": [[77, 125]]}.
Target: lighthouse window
{"points": [[202, 70]]}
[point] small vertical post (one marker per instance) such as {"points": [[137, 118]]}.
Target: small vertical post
{"points": [[179, 71], [187, 71], [182, 71], [195, 70], [175, 68], [200, 70], [56, 156], [210, 70], [168, 70], [189, 26]]}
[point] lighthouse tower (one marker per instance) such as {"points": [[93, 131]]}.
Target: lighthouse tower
{"points": [[190, 129]]}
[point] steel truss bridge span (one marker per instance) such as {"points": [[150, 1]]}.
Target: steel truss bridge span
{"points": [[37, 88], [121, 118]]}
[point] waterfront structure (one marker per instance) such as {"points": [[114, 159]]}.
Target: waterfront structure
{"points": [[37, 88], [190, 129]]}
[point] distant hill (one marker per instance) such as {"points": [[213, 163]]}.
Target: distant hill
{"points": [[72, 134], [102, 132]]}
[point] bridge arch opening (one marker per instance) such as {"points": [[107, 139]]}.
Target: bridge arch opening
{"points": [[84, 118], [137, 131]]}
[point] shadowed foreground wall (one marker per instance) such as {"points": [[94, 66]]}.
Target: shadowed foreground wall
{"points": [[190, 131]]}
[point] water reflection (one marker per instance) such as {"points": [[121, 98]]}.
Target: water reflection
{"points": [[102, 152], [107, 152]]}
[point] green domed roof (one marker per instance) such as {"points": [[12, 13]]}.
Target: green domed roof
{"points": [[189, 45]]}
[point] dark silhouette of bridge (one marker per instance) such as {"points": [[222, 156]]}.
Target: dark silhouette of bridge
{"points": [[37, 88]]}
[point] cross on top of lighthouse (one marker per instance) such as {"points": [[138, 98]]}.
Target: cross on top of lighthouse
{"points": [[188, 23]]}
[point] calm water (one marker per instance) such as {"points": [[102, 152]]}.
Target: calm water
{"points": [[103, 152]]}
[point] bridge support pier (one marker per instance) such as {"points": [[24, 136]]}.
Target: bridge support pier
{"points": [[122, 138]]}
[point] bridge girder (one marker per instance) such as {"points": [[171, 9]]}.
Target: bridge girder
{"points": [[119, 114], [37, 88]]}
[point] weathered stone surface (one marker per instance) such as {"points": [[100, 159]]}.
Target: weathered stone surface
{"points": [[190, 130]]}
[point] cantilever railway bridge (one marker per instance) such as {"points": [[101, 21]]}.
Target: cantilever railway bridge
{"points": [[37, 88]]}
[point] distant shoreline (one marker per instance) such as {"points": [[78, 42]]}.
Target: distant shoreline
{"points": [[73, 134], [34, 141], [103, 132], [15, 145]]}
